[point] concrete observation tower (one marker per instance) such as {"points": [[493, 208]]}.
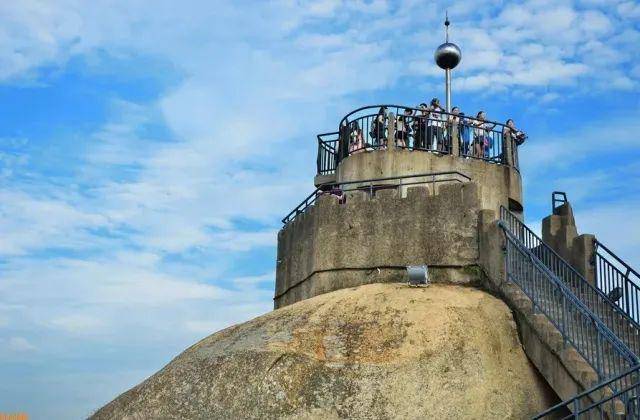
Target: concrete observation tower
{"points": [[398, 186]]}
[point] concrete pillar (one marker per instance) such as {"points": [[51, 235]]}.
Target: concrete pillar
{"points": [[559, 231], [455, 139], [391, 131], [507, 149], [582, 253]]}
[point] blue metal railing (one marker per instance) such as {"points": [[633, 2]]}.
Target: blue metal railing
{"points": [[617, 280], [579, 326], [620, 323], [601, 401]]}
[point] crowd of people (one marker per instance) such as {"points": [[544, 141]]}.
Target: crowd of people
{"points": [[429, 127]]}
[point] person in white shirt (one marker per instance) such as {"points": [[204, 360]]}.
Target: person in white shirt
{"points": [[436, 122]]}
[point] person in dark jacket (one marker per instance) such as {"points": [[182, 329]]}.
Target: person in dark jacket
{"points": [[378, 128], [420, 127]]}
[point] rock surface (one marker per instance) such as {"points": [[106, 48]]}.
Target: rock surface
{"points": [[373, 352]]}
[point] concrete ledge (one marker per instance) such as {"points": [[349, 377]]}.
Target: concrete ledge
{"points": [[329, 281]]}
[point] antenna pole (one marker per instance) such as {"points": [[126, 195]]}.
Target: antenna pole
{"points": [[447, 76], [447, 72], [446, 26]]}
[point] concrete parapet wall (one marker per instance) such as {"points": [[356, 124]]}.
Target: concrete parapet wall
{"points": [[497, 184], [368, 240]]}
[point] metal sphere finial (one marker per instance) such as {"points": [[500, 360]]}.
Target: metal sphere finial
{"points": [[448, 55]]}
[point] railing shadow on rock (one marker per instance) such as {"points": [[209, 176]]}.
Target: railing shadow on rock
{"points": [[620, 323], [371, 186]]}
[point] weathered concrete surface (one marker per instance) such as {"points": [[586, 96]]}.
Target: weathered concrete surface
{"points": [[379, 351], [496, 183], [559, 231], [334, 245]]}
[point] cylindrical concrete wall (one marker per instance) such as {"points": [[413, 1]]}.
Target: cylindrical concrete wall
{"points": [[374, 236], [497, 184]]}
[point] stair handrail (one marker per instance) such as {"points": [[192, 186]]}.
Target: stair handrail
{"points": [[573, 403], [509, 218], [609, 276], [614, 340]]}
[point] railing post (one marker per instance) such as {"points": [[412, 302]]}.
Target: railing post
{"points": [[627, 293], [564, 319], [507, 148], [599, 366], [454, 139], [391, 131]]}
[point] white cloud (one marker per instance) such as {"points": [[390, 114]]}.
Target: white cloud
{"points": [[78, 323], [20, 344], [151, 225]]}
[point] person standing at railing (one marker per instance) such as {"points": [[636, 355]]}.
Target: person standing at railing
{"points": [[516, 135], [356, 141], [482, 135], [511, 139], [465, 135], [378, 128], [437, 125], [420, 127], [453, 120], [403, 128]]}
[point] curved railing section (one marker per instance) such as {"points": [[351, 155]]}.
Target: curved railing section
{"points": [[621, 324], [327, 153], [371, 186], [617, 280], [373, 127], [597, 344]]}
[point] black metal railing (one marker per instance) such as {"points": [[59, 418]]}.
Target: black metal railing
{"points": [[367, 128], [371, 186], [601, 401], [558, 198], [617, 280], [597, 344], [327, 153], [622, 325]]}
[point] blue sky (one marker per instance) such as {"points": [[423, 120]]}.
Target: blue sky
{"points": [[148, 151]]}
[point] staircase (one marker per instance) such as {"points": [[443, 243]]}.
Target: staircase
{"points": [[604, 334]]}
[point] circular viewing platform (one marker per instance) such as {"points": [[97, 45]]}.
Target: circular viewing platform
{"points": [[396, 127]]}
